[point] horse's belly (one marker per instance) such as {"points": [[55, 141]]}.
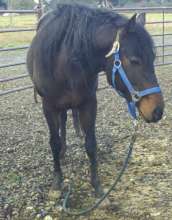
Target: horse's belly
{"points": [[69, 101]]}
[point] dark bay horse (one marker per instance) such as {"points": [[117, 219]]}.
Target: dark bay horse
{"points": [[64, 59]]}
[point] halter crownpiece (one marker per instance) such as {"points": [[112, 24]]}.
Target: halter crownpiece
{"points": [[118, 69], [115, 47]]}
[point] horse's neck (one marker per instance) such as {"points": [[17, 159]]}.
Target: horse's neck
{"points": [[105, 37], [104, 40]]}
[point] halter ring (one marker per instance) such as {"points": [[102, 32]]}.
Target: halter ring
{"points": [[117, 63]]}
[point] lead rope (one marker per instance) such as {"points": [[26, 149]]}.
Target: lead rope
{"points": [[94, 206]]}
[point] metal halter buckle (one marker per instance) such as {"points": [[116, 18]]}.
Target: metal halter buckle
{"points": [[135, 96]]}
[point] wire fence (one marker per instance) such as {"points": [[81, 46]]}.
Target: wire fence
{"points": [[158, 23]]}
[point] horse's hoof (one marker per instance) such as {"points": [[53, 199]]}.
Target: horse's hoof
{"points": [[55, 191], [57, 182], [54, 194], [105, 203]]}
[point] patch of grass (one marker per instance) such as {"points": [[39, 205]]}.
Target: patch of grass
{"points": [[158, 17], [18, 21], [17, 38]]}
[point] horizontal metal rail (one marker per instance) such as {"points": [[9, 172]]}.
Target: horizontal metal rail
{"points": [[163, 64], [14, 48], [145, 9], [161, 35], [13, 78], [11, 65], [102, 73], [17, 30], [159, 22], [165, 55], [166, 45], [119, 10], [31, 86], [10, 30], [15, 90], [19, 11], [103, 88]]}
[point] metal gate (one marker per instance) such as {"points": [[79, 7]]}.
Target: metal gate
{"points": [[158, 23]]}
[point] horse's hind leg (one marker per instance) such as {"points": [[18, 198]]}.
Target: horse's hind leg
{"points": [[63, 119], [52, 117], [87, 114], [76, 122]]}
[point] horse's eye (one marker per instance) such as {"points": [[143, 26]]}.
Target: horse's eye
{"points": [[135, 61]]}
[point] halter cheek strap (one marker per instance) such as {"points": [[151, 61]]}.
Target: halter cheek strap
{"points": [[135, 95]]}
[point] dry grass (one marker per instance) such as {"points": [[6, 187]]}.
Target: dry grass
{"points": [[18, 21], [15, 39]]}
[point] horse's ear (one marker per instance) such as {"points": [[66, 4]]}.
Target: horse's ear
{"points": [[130, 27], [141, 19]]}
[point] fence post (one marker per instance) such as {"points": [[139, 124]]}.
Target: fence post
{"points": [[40, 9], [163, 36], [10, 16]]}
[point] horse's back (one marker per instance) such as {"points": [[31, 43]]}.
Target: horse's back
{"points": [[61, 55]]}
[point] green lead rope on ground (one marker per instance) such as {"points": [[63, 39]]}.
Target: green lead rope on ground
{"points": [[94, 206]]}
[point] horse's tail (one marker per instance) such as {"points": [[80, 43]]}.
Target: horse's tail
{"points": [[76, 122], [35, 95]]}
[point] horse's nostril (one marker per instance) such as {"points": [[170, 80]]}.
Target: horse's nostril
{"points": [[157, 114]]}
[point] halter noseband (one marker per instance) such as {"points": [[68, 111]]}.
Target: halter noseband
{"points": [[118, 69]]}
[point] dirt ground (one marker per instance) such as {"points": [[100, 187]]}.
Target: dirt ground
{"points": [[145, 191]]}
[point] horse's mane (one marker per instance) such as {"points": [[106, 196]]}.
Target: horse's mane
{"points": [[73, 26]]}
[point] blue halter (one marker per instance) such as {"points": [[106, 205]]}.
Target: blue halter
{"points": [[135, 95]]}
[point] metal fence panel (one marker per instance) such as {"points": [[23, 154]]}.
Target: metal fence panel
{"points": [[159, 29]]}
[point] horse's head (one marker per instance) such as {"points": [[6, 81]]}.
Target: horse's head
{"points": [[136, 54]]}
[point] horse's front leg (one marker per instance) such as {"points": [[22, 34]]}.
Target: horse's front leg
{"points": [[87, 114], [52, 117], [63, 119]]}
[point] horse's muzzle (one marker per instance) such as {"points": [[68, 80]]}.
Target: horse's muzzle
{"points": [[151, 107], [156, 115]]}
